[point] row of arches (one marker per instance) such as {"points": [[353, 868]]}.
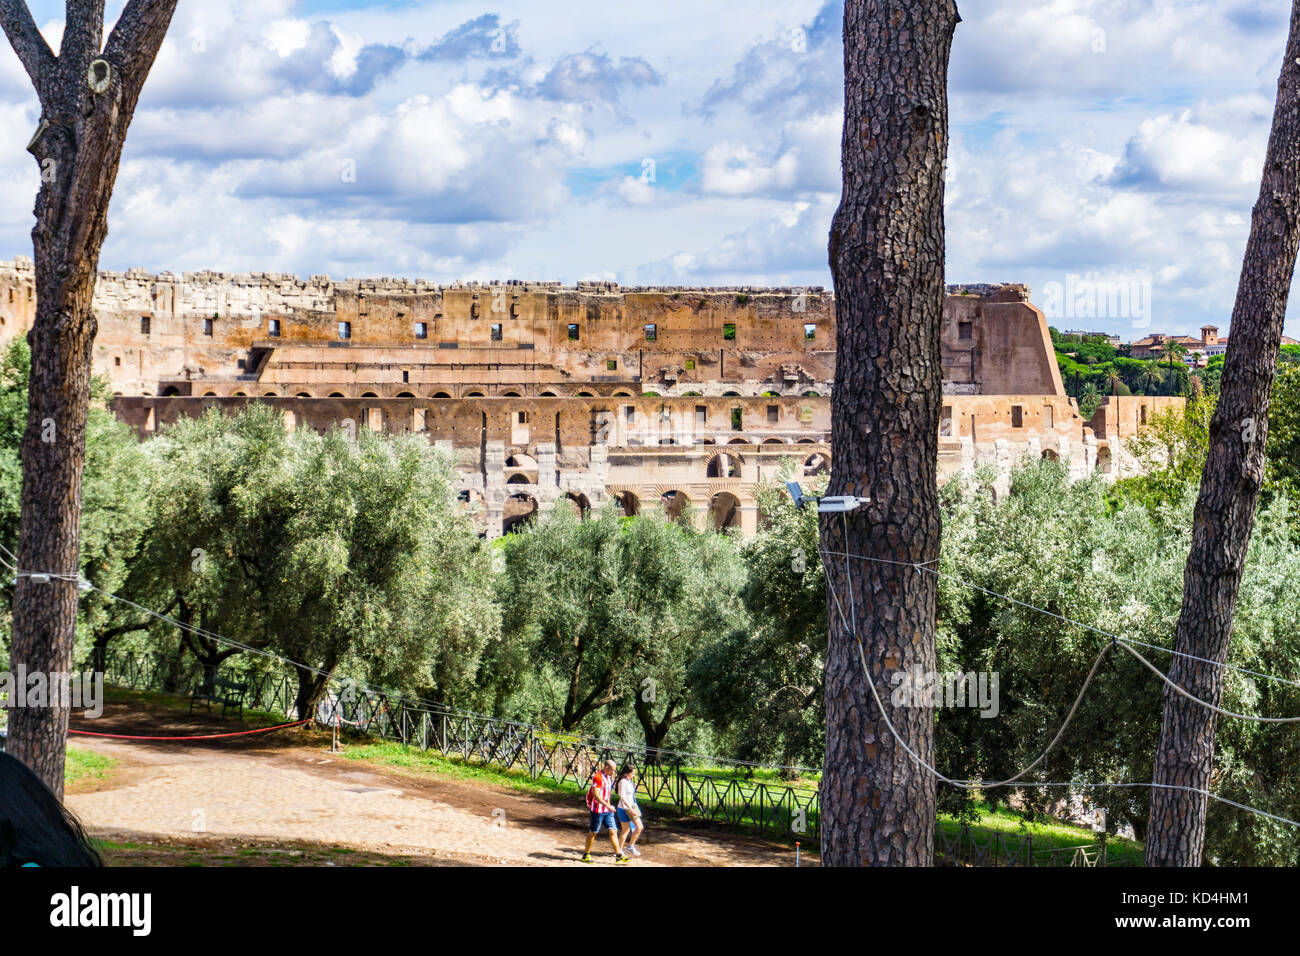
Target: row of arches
{"points": [[173, 391]]}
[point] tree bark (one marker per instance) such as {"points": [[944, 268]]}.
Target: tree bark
{"points": [[86, 108], [1230, 486], [887, 259]]}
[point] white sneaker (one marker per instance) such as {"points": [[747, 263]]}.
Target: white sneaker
{"points": [[634, 851]]}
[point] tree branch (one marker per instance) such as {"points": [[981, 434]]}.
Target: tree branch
{"points": [[83, 37], [36, 56], [135, 40]]}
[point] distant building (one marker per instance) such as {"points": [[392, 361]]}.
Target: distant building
{"points": [[1108, 336]]}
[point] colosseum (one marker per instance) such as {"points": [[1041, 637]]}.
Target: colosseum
{"points": [[682, 398]]}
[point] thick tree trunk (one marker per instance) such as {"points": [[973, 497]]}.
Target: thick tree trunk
{"points": [[87, 95], [1230, 485], [887, 258]]}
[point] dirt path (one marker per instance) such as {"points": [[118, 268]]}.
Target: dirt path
{"points": [[278, 788]]}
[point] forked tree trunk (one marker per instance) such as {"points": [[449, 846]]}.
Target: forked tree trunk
{"points": [[1230, 485], [887, 258], [88, 96]]}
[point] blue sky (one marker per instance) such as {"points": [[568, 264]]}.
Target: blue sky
{"points": [[1111, 142]]}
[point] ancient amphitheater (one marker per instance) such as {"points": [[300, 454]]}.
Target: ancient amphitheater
{"points": [[681, 398]]}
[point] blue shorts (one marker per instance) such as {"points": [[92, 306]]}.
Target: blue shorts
{"points": [[622, 817], [600, 819]]}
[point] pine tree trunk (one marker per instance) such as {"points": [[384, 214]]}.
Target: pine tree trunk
{"points": [[887, 258], [1230, 485], [88, 95]]}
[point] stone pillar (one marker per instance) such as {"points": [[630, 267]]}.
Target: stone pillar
{"points": [[546, 473], [494, 485]]}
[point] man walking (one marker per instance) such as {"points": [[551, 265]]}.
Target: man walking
{"points": [[602, 812]]}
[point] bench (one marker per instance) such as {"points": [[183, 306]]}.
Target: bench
{"points": [[219, 691]]}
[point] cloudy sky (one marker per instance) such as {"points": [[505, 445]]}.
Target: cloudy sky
{"points": [[1111, 142]]}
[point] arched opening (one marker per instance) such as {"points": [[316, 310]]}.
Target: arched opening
{"points": [[812, 395], [405, 395], [586, 395], [724, 510], [1049, 454], [807, 441], [269, 395], [209, 394], [304, 395], [692, 395], [731, 395], [369, 395], [773, 441], [549, 395], [441, 395], [581, 504], [1104, 463], [628, 503], [511, 394], [816, 464], [470, 503], [622, 394], [171, 391], [723, 465], [738, 441], [473, 394], [677, 506], [517, 511], [521, 461], [240, 395], [518, 479], [337, 395]]}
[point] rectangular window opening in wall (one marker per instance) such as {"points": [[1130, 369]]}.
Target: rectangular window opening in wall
{"points": [[523, 418], [611, 365], [1049, 416], [810, 331], [690, 365], [573, 332], [629, 412], [207, 326], [773, 414], [701, 414], [273, 328], [144, 325], [242, 363], [736, 418], [421, 330], [345, 330], [965, 331], [729, 332], [406, 376], [651, 333], [117, 360], [1017, 417], [496, 332]]}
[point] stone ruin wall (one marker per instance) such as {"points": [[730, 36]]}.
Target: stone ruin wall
{"points": [[699, 415]]}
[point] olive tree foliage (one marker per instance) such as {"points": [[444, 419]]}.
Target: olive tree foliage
{"points": [[761, 687], [1062, 546], [609, 611], [348, 554]]}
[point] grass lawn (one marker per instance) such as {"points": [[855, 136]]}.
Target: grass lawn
{"points": [[85, 764]]}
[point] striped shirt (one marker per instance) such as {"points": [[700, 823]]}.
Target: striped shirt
{"points": [[598, 793]]}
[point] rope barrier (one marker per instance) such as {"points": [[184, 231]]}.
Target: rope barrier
{"points": [[242, 733]]}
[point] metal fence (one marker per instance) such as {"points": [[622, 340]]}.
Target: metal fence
{"points": [[666, 780]]}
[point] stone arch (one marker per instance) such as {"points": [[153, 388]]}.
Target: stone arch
{"points": [[511, 394], [812, 395], [369, 395], [586, 395], [676, 505], [774, 441], [548, 395], [818, 463], [270, 395], [723, 465], [237, 395], [738, 441], [518, 510], [303, 395], [441, 395], [474, 394], [628, 503], [1104, 462], [1049, 454], [171, 391], [579, 501], [518, 479], [406, 395], [337, 395], [724, 510], [731, 395], [209, 394]]}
